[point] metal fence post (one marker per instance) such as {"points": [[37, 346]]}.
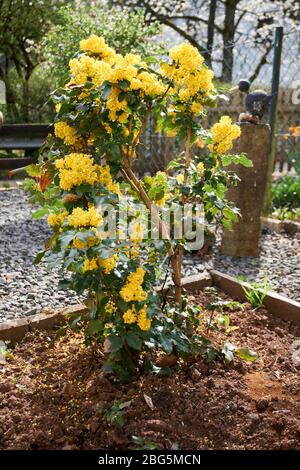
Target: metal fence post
{"points": [[273, 115]]}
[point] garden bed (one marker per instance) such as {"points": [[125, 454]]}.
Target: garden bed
{"points": [[57, 397]]}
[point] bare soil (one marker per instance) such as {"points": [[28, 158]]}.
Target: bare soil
{"points": [[56, 397]]}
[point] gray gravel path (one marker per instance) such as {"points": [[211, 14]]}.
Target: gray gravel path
{"points": [[26, 289]]}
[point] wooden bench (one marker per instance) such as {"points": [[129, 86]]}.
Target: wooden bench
{"points": [[22, 137]]}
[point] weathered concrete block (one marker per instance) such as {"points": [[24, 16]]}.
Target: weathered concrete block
{"points": [[248, 195]]}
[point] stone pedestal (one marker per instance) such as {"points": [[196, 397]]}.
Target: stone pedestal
{"points": [[248, 195]]}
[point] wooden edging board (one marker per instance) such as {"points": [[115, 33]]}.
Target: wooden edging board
{"points": [[275, 225], [15, 330], [277, 304]]}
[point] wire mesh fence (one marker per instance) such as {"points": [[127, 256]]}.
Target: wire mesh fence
{"points": [[254, 64]]}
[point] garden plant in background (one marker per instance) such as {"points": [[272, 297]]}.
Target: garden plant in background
{"points": [[286, 189], [102, 113]]}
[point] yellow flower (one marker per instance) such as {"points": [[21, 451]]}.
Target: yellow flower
{"points": [[84, 218], [132, 290], [107, 127], [97, 45], [123, 71], [172, 132], [109, 264], [148, 83], [196, 107], [57, 219], [161, 202], [223, 134], [186, 56], [130, 316], [143, 321], [180, 178], [65, 132], [201, 168], [189, 75], [110, 307], [105, 178], [114, 105], [140, 317], [200, 144], [90, 264], [76, 169], [88, 243], [79, 244], [88, 69]]}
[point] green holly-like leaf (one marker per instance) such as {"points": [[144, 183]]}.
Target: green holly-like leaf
{"points": [[134, 341], [116, 343], [33, 170], [39, 257], [39, 213], [94, 326], [236, 160], [246, 354]]}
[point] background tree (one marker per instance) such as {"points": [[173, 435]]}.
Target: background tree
{"points": [[37, 40], [23, 25], [222, 25]]}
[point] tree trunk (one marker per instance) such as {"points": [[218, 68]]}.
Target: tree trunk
{"points": [[228, 40], [211, 30], [25, 93]]}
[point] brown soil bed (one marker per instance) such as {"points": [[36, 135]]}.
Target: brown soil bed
{"points": [[56, 397]]}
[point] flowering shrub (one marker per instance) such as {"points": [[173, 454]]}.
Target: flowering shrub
{"points": [[101, 115]]}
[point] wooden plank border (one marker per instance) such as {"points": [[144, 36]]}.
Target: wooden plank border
{"points": [[277, 304], [15, 330]]}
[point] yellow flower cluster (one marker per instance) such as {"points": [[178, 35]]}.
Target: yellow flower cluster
{"points": [[76, 169], [130, 316], [132, 290], [114, 106], [103, 64], [89, 69], [143, 321], [65, 132], [97, 45], [189, 75], [105, 179], [201, 168], [140, 317], [223, 134], [90, 264], [199, 143], [196, 107], [90, 241], [180, 178], [108, 264], [148, 83], [55, 220], [124, 68], [85, 218], [110, 307]]}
